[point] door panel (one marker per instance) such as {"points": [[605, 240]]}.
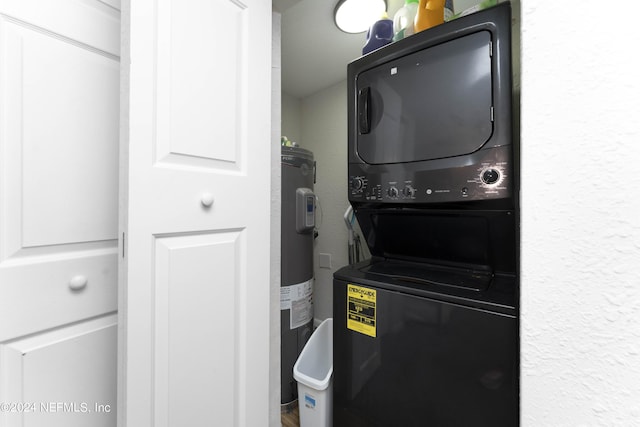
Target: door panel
{"points": [[196, 204], [37, 295], [93, 23], [58, 180], [184, 281], [192, 72], [37, 372], [68, 188]]}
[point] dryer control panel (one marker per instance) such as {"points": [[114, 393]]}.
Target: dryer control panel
{"points": [[487, 178]]}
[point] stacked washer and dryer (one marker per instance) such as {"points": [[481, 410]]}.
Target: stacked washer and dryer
{"points": [[426, 331]]}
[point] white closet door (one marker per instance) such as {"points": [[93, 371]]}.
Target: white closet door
{"points": [[196, 213], [59, 103]]}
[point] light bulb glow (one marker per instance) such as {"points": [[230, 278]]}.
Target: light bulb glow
{"points": [[356, 16]]}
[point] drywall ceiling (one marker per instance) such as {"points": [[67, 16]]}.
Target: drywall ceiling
{"points": [[315, 53]]}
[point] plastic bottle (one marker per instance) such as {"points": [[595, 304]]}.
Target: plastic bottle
{"points": [[380, 34], [431, 13], [448, 10], [403, 20], [480, 6]]}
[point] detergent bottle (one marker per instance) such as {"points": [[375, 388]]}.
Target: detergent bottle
{"points": [[380, 34], [448, 10], [403, 20], [431, 13]]}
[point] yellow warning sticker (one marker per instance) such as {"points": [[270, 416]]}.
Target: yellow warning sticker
{"points": [[361, 309]]}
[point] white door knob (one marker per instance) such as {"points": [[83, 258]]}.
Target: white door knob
{"points": [[207, 200], [78, 282]]}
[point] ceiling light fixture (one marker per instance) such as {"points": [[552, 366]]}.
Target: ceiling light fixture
{"points": [[356, 16]]}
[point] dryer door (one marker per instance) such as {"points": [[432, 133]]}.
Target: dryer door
{"points": [[431, 104]]}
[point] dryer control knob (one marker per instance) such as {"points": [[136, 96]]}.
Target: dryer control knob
{"points": [[490, 176], [409, 191], [357, 183], [393, 192]]}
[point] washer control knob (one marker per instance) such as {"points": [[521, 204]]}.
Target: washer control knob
{"points": [[408, 191], [393, 192], [357, 183], [490, 176]]}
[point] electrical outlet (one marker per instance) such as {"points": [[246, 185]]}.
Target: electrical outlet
{"points": [[324, 260]]}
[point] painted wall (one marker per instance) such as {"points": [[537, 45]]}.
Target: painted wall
{"points": [[580, 329], [324, 131], [291, 118]]}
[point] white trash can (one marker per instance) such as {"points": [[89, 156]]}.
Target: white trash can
{"points": [[314, 372]]}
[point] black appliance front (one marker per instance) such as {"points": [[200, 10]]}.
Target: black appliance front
{"points": [[426, 332], [429, 117], [414, 357]]}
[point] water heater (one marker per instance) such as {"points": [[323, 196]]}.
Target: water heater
{"points": [[297, 233]]}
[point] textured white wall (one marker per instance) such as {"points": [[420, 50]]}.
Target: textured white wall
{"points": [[580, 331]]}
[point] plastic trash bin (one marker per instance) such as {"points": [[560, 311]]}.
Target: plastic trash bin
{"points": [[314, 371]]}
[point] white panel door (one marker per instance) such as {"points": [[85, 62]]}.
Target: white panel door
{"points": [[58, 162], [59, 121], [194, 308]]}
